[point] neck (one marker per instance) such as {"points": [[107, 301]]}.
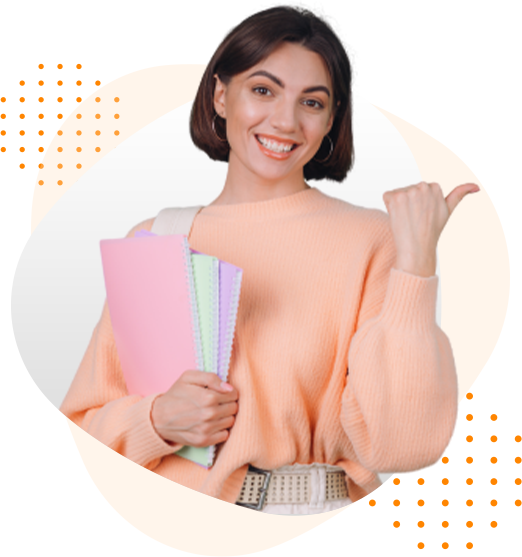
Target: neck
{"points": [[243, 186]]}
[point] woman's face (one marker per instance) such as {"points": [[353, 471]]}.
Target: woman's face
{"points": [[277, 113]]}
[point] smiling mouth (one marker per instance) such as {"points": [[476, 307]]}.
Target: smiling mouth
{"points": [[275, 146]]}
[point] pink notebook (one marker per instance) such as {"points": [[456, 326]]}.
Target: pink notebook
{"points": [[152, 305]]}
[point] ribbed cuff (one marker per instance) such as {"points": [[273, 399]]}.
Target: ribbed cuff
{"points": [[410, 301], [146, 444]]}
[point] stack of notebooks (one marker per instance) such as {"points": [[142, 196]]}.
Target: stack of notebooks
{"points": [[172, 309]]}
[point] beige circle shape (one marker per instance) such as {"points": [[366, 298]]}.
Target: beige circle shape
{"points": [[477, 267]]}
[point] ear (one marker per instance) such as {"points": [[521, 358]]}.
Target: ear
{"points": [[219, 97]]}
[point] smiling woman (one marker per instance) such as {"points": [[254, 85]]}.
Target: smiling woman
{"points": [[294, 62], [339, 370]]}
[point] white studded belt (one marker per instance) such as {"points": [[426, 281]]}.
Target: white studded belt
{"points": [[271, 487]]}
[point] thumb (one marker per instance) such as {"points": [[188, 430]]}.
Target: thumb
{"points": [[458, 194]]}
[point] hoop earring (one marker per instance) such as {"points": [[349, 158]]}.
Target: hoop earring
{"points": [[214, 128], [329, 154]]}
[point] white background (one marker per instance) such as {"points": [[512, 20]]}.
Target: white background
{"points": [[31, 26]]}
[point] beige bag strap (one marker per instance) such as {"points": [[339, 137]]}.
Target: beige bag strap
{"points": [[175, 220]]}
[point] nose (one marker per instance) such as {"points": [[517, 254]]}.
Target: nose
{"points": [[284, 116]]}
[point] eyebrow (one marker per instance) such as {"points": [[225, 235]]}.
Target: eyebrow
{"points": [[277, 81]]}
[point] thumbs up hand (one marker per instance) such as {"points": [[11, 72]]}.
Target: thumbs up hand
{"points": [[418, 215]]}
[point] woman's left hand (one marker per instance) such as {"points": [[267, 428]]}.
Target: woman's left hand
{"points": [[418, 215]]}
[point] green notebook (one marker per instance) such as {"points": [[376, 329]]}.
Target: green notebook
{"points": [[206, 282]]}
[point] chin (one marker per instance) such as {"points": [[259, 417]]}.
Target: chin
{"points": [[274, 174]]}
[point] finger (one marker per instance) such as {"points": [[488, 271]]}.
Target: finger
{"points": [[223, 423], [227, 409], [207, 380], [223, 397], [206, 440], [435, 186], [458, 194], [208, 398]]}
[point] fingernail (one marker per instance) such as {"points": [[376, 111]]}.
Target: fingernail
{"points": [[226, 387]]}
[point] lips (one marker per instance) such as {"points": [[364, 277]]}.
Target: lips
{"points": [[276, 144]]}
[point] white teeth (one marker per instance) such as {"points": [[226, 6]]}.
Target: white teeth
{"points": [[273, 146]]}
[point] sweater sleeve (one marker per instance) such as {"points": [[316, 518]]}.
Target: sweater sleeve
{"points": [[399, 405], [98, 400]]}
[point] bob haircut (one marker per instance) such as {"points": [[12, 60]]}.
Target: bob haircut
{"points": [[252, 41]]}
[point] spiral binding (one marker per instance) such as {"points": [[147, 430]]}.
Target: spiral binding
{"points": [[231, 326], [214, 341], [214, 270], [196, 331]]}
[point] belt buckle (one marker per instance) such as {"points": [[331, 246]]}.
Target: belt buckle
{"points": [[263, 490]]}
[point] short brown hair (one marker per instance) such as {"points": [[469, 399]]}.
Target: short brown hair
{"points": [[250, 42]]}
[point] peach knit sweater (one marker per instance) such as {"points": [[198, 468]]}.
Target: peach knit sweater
{"points": [[337, 357]]}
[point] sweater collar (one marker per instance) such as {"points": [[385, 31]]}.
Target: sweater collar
{"points": [[297, 203]]}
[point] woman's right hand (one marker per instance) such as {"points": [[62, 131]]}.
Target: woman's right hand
{"points": [[197, 410]]}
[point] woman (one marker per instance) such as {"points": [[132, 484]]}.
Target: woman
{"points": [[339, 370]]}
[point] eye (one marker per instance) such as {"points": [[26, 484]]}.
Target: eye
{"points": [[263, 91], [314, 104]]}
